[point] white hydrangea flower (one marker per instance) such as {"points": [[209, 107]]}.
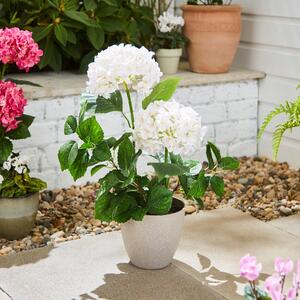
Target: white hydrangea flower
{"points": [[168, 22], [18, 163], [123, 63], [171, 125]]}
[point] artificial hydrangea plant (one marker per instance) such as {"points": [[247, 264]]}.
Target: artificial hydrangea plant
{"points": [[162, 130]]}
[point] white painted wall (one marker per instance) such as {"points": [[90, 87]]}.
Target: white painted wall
{"points": [[270, 42]]}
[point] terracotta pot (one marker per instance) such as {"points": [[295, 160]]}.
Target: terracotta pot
{"points": [[151, 243], [17, 216], [168, 60], [214, 33]]}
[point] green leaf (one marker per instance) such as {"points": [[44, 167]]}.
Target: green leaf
{"points": [[81, 17], [120, 140], [101, 206], [89, 130], [112, 24], [112, 179], [70, 125], [125, 154], [97, 168], [61, 34], [21, 132], [90, 4], [162, 91], [79, 166], [165, 169], [217, 185], [122, 208], [199, 186], [63, 154], [96, 36], [41, 32], [159, 200], [86, 60], [211, 163], [106, 105], [229, 163], [73, 154], [5, 149], [23, 82], [101, 152], [216, 151]]}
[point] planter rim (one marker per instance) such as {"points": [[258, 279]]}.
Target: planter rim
{"points": [[167, 215], [211, 8], [20, 197]]}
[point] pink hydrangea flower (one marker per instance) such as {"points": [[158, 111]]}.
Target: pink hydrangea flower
{"points": [[273, 287], [249, 268], [12, 102], [283, 267], [17, 46]]}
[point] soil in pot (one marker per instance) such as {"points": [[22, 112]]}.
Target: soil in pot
{"points": [[151, 243]]}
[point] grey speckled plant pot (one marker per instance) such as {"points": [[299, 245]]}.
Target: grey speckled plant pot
{"points": [[17, 216], [151, 243]]}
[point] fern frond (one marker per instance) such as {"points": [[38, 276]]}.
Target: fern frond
{"points": [[277, 111]]}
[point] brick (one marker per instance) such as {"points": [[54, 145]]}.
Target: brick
{"points": [[36, 109], [212, 113], [245, 109], [49, 159], [33, 155], [227, 132], [201, 94], [113, 124], [57, 109], [247, 129], [247, 147]]}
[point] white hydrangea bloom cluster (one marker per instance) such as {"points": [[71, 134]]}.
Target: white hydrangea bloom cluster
{"points": [[123, 63], [168, 22], [18, 163], [171, 125]]}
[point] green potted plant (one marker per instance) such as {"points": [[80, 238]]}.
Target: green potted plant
{"points": [[168, 42], [18, 191], [163, 130], [213, 28]]}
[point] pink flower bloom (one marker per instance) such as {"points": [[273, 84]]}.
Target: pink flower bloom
{"points": [[17, 46], [249, 268], [283, 267], [12, 104], [291, 294], [273, 287]]}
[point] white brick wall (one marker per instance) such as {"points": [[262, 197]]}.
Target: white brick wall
{"points": [[229, 110]]}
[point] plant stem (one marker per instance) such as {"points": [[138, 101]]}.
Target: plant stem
{"points": [[2, 73], [128, 122], [130, 104], [166, 161], [252, 285]]}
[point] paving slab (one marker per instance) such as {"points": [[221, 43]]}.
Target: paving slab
{"points": [[290, 224], [205, 265]]}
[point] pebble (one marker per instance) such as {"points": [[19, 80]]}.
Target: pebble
{"points": [[57, 235], [5, 250], [285, 210], [189, 209]]}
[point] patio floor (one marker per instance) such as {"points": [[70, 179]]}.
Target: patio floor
{"points": [[205, 265]]}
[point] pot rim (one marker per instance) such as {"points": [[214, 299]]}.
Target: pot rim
{"points": [[20, 197], [211, 8]]}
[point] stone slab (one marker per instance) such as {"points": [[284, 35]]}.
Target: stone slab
{"points": [[68, 83], [97, 267], [289, 224]]}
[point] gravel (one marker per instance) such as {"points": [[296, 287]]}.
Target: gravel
{"points": [[261, 187]]}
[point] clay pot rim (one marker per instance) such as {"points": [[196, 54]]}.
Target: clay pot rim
{"points": [[211, 8]]}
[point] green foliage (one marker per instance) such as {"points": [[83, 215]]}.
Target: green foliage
{"points": [[292, 112], [249, 295], [209, 2], [123, 193], [71, 32], [168, 40]]}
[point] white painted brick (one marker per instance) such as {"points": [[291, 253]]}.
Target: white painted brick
{"points": [[247, 129], [33, 156], [210, 133], [49, 158], [57, 109], [248, 148], [112, 123], [212, 113], [236, 90], [61, 137], [201, 94], [245, 109], [36, 109], [183, 95], [226, 132]]}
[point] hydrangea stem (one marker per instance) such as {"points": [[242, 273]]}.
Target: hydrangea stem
{"points": [[166, 161], [130, 104], [2, 73]]}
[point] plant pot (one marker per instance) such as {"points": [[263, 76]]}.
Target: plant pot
{"points": [[151, 243], [17, 216], [214, 34], [168, 60]]}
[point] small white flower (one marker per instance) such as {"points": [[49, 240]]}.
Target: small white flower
{"points": [[18, 163], [7, 165], [1, 179], [168, 22], [123, 63], [171, 125]]}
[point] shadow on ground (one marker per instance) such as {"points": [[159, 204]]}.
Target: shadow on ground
{"points": [[24, 258]]}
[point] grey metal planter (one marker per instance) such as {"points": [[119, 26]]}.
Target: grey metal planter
{"points": [[17, 216]]}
